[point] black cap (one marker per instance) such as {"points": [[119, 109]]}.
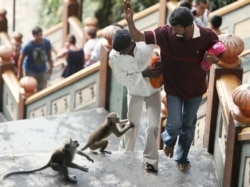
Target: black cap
{"points": [[121, 40]]}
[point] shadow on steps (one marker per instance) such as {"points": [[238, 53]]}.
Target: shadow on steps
{"points": [[112, 170]]}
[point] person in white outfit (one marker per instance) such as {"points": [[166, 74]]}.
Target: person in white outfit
{"points": [[106, 41], [200, 12], [130, 62], [92, 40]]}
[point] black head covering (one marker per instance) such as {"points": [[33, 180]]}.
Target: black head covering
{"points": [[121, 39]]}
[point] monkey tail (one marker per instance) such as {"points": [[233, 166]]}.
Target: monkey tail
{"points": [[25, 172], [85, 147]]}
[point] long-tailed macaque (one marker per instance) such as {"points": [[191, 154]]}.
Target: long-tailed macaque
{"points": [[97, 138], [60, 160]]}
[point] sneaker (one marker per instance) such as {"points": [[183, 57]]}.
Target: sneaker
{"points": [[184, 167], [168, 151]]}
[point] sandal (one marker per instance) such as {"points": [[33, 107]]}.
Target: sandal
{"points": [[149, 168], [184, 167], [168, 151]]}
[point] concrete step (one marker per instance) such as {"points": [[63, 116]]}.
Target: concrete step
{"points": [[27, 144], [123, 169]]}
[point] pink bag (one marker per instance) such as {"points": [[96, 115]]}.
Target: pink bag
{"points": [[216, 49]]}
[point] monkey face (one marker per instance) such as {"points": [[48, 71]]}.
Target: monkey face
{"points": [[117, 119], [71, 145], [75, 143], [113, 117]]}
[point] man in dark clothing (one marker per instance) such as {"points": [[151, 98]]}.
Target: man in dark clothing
{"points": [[183, 46]]}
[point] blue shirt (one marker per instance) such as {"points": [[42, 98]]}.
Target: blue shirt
{"points": [[36, 56]]}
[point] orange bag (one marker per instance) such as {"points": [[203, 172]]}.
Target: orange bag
{"points": [[156, 82]]}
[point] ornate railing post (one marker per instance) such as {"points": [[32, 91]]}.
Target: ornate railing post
{"points": [[229, 64], [104, 78], [28, 87], [241, 98], [241, 113], [3, 21], [5, 63], [70, 8]]}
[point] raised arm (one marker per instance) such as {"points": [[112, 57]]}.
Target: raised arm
{"points": [[129, 14], [49, 56], [62, 53]]}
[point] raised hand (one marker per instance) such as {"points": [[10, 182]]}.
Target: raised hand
{"points": [[128, 11]]}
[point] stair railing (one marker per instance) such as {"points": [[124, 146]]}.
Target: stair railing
{"points": [[225, 137]]}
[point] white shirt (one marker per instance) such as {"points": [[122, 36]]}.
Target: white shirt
{"points": [[127, 69], [89, 46], [95, 54], [196, 33], [202, 20]]}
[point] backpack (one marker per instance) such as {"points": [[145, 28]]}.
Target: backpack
{"points": [[39, 54]]}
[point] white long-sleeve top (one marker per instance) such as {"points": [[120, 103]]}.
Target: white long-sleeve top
{"points": [[127, 69]]}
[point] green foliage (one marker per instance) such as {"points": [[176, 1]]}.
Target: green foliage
{"points": [[50, 12], [106, 11], [111, 11], [216, 4], [89, 8]]}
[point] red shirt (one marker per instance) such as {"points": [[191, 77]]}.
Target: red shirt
{"points": [[181, 59]]}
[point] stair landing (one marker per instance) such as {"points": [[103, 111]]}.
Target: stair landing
{"points": [[27, 144]]}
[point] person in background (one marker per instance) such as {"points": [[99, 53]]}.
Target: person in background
{"points": [[185, 3], [34, 57], [130, 63], [200, 12], [74, 56], [106, 41], [215, 23], [183, 45], [16, 41], [91, 41]]}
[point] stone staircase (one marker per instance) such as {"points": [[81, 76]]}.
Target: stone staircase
{"points": [[115, 170], [27, 144]]}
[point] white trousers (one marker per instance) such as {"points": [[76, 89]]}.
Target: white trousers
{"points": [[153, 108]]}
